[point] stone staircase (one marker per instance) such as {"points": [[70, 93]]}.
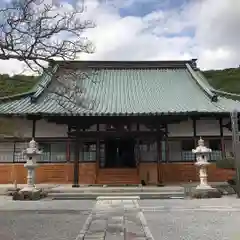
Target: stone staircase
{"points": [[118, 176]]}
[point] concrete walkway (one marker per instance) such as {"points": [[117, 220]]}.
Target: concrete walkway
{"points": [[116, 218]]}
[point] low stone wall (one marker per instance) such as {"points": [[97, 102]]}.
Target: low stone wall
{"points": [[63, 173]]}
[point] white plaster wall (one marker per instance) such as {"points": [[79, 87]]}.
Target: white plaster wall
{"points": [[142, 127], [207, 127], [23, 128], [182, 129], [204, 127], [93, 128], [19, 127], [226, 132], [6, 152], [174, 150], [46, 129], [148, 152], [102, 127], [228, 146]]}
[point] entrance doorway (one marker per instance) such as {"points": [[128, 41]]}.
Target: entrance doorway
{"points": [[119, 153]]}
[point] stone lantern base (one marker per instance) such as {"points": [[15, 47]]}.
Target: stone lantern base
{"points": [[22, 195], [206, 193]]}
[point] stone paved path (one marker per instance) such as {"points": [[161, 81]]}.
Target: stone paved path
{"points": [[118, 219]]}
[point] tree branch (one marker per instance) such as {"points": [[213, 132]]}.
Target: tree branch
{"points": [[36, 31]]}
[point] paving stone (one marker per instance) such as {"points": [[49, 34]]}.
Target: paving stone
{"points": [[114, 219]]}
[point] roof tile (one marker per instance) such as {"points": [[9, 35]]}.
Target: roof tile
{"points": [[114, 91]]}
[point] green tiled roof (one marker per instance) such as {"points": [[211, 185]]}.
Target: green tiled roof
{"points": [[132, 89]]}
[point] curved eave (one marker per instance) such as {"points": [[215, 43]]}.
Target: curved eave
{"points": [[44, 114]]}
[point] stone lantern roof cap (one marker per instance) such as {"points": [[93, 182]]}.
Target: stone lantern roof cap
{"points": [[201, 148]]}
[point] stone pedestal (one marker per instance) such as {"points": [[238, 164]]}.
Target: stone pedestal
{"points": [[31, 166], [203, 175]]}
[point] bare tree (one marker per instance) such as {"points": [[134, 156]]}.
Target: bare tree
{"points": [[69, 91], [38, 32]]}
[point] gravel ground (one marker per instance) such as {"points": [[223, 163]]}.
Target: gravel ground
{"points": [[29, 225], [206, 219], [167, 219], [189, 225]]}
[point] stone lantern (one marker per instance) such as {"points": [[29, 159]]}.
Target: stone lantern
{"points": [[202, 156], [32, 152]]}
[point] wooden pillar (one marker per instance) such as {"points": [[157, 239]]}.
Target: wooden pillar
{"points": [[195, 130], [76, 159], [68, 150], [138, 156], [222, 138], [97, 158], [159, 151], [166, 144], [14, 150], [34, 128]]}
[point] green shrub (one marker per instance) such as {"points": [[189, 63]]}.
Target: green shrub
{"points": [[227, 163]]}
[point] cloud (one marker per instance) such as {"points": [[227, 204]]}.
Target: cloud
{"points": [[147, 30], [203, 29]]}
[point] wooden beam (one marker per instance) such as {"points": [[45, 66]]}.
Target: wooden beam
{"points": [[194, 126], [14, 151], [159, 178], [167, 144], [94, 134], [75, 120], [33, 128]]}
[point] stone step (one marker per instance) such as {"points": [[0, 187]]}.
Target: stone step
{"points": [[95, 195], [118, 181], [118, 189]]}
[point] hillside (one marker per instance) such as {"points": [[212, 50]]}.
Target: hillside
{"points": [[226, 80], [16, 84]]}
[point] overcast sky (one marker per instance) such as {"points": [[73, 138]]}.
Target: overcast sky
{"points": [[161, 30]]}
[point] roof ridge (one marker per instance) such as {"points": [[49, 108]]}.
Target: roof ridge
{"points": [[199, 80], [216, 91], [126, 64], [226, 93], [44, 82], [30, 92], [18, 95]]}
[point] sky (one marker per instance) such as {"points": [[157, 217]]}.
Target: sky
{"points": [[208, 30]]}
